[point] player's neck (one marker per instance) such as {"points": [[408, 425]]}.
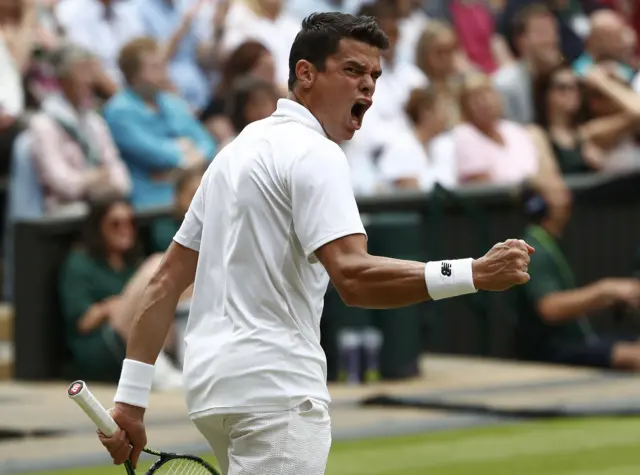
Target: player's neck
{"points": [[296, 98]]}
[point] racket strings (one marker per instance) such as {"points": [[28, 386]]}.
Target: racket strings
{"points": [[182, 466]]}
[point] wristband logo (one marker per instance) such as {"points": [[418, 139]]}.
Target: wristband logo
{"points": [[445, 270]]}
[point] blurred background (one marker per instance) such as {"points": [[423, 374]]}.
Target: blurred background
{"points": [[493, 119]]}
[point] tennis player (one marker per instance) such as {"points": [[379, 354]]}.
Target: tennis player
{"points": [[273, 220]]}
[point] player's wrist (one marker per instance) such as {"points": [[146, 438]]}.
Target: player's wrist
{"points": [[135, 383], [133, 412], [446, 279]]}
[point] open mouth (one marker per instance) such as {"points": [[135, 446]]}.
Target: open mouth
{"points": [[358, 110]]}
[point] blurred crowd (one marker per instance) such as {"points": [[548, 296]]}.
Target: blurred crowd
{"points": [[113, 106]]}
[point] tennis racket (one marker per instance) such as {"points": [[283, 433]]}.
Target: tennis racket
{"points": [[167, 463]]}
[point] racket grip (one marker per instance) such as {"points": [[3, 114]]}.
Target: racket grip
{"points": [[79, 392]]}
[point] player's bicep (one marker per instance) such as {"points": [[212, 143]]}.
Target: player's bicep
{"points": [[337, 255], [323, 205]]}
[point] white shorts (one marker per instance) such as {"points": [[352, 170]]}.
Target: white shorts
{"points": [[293, 442]]}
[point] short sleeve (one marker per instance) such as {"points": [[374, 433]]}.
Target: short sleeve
{"points": [[323, 204], [544, 277], [190, 232]]}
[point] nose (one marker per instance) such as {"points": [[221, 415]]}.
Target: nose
{"points": [[367, 85]]}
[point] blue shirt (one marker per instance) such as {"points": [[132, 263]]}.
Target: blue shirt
{"points": [[161, 20], [147, 140]]}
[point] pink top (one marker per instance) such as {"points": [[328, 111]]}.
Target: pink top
{"points": [[477, 154], [475, 28], [62, 164]]}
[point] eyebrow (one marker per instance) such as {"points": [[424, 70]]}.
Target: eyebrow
{"points": [[376, 73]]}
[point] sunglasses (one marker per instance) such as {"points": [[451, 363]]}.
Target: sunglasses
{"points": [[120, 223], [565, 86]]}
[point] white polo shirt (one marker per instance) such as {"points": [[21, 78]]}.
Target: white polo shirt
{"points": [[271, 198]]}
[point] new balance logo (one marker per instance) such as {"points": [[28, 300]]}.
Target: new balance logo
{"points": [[446, 269]]}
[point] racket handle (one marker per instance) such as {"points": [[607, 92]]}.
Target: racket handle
{"points": [[79, 392]]}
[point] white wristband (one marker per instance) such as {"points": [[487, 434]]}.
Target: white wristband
{"points": [[447, 279], [135, 383]]}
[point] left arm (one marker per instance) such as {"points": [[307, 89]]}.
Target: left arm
{"points": [[150, 327], [157, 308]]}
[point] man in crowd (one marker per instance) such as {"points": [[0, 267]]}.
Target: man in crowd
{"points": [[553, 309], [538, 45], [156, 133]]}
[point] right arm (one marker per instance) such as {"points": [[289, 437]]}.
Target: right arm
{"points": [[327, 223], [558, 307], [363, 280]]}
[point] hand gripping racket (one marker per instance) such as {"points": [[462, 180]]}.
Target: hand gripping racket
{"points": [[167, 463]]}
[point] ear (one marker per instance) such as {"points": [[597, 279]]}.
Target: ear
{"points": [[306, 73]]}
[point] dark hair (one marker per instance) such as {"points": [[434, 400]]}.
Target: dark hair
{"points": [[320, 38], [240, 62], [541, 88], [92, 234], [420, 99], [521, 20], [241, 94]]}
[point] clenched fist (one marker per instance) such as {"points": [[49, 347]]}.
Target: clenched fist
{"points": [[505, 265]]}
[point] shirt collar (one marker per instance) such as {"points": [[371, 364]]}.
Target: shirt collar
{"points": [[289, 109]]}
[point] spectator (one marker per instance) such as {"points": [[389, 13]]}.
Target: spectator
{"points": [[474, 25], [40, 79], [552, 308], [559, 101], [102, 27], [180, 26], [95, 302], [251, 99], [266, 22], [489, 149], [424, 156], [437, 56], [156, 133], [73, 151], [250, 58], [569, 17], [386, 117], [17, 21], [163, 230], [537, 44], [412, 22], [613, 116], [607, 41]]}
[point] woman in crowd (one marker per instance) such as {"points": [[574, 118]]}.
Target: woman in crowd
{"points": [[72, 148], [249, 100], [425, 155], [612, 116], [492, 150], [98, 291], [438, 56], [558, 98], [250, 58]]}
